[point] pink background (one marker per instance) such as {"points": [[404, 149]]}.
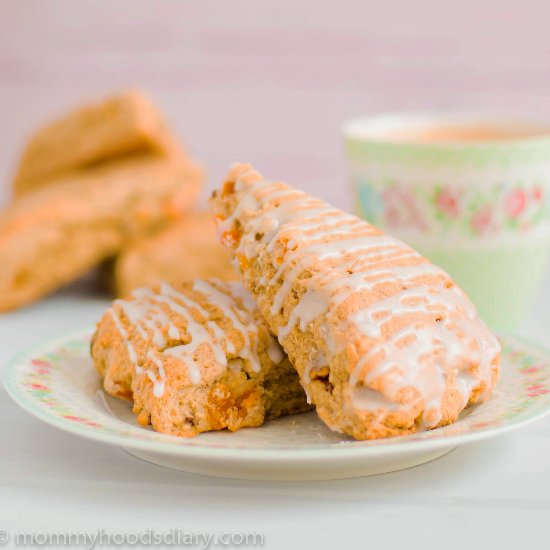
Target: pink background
{"points": [[270, 81]]}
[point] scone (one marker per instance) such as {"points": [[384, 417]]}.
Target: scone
{"points": [[195, 359], [385, 343], [126, 124], [52, 236], [187, 249]]}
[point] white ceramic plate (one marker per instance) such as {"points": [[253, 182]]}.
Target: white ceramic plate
{"points": [[57, 383]]}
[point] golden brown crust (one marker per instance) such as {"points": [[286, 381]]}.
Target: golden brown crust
{"points": [[194, 359], [128, 123], [55, 234], [187, 249]]}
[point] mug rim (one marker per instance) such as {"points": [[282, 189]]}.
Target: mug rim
{"points": [[375, 129]]}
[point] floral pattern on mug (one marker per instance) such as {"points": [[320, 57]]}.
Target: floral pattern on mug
{"points": [[402, 209], [442, 209], [515, 202], [482, 220], [448, 202]]}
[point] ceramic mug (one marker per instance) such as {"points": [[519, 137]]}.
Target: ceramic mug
{"points": [[470, 193]]}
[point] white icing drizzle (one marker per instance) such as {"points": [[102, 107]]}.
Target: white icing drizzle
{"points": [[237, 290], [227, 306], [310, 306], [145, 313], [275, 351], [158, 383], [344, 256], [316, 361], [140, 313], [366, 398], [124, 333], [198, 332]]}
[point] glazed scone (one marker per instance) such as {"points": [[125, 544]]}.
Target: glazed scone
{"points": [[125, 124], [385, 343], [195, 359], [187, 249], [52, 236]]}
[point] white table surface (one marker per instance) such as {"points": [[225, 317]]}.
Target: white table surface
{"points": [[480, 494]]}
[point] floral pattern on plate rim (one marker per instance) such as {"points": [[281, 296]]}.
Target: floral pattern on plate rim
{"points": [[35, 378]]}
